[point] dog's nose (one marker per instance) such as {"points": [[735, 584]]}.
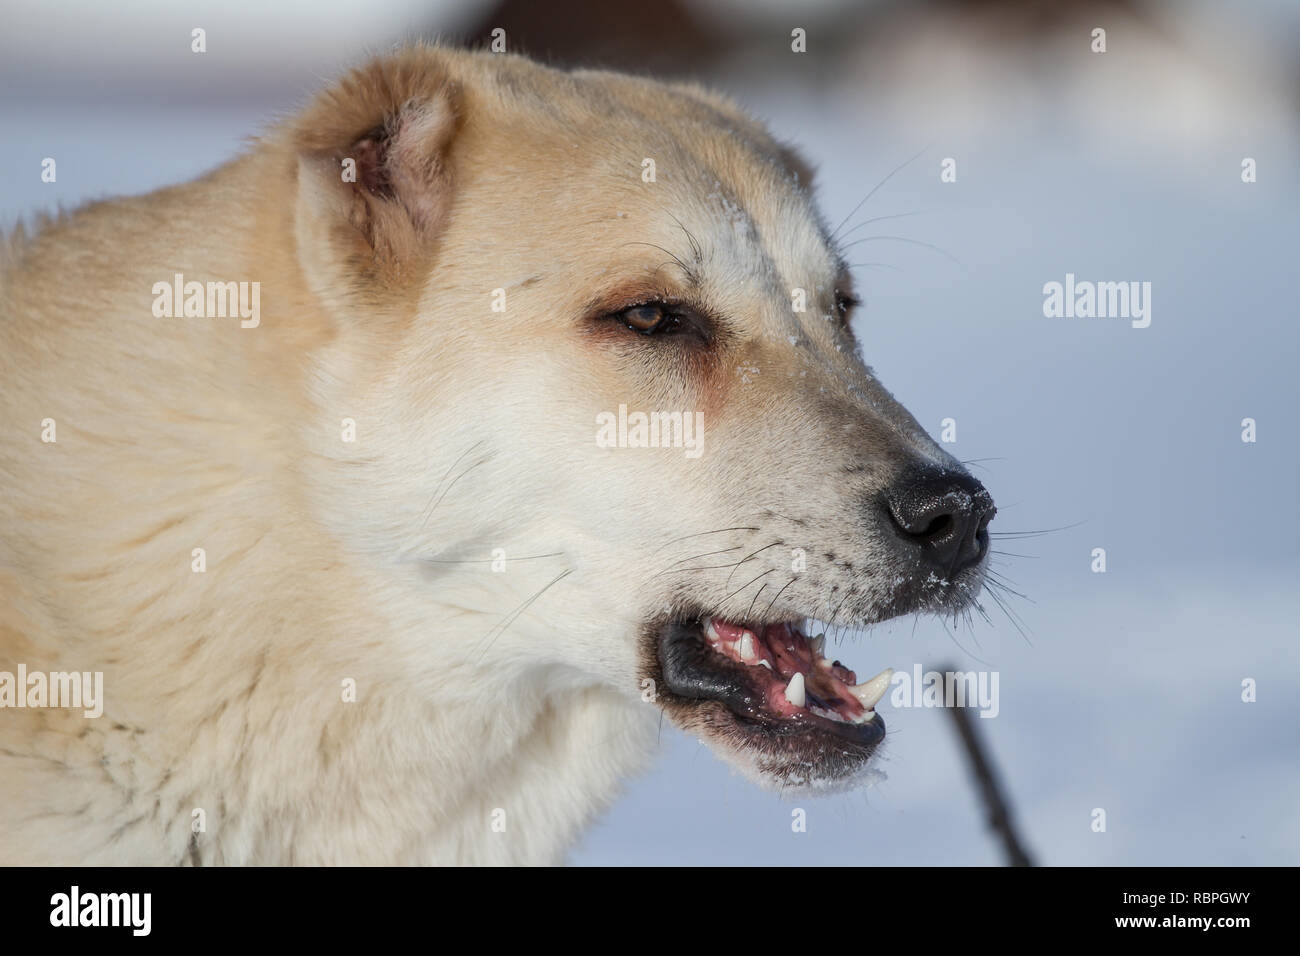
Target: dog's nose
{"points": [[945, 514]]}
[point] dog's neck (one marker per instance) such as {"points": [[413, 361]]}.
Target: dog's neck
{"points": [[414, 730]]}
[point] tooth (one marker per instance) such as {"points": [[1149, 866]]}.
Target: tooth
{"points": [[866, 717], [765, 663], [870, 692], [747, 648], [818, 644], [794, 690], [831, 714], [711, 633]]}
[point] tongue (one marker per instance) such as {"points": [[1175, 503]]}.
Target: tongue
{"points": [[791, 652]]}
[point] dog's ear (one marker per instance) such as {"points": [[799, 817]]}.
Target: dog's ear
{"points": [[374, 178]]}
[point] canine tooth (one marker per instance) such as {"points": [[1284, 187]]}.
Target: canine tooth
{"points": [[765, 663], [794, 690], [711, 633], [870, 692], [866, 717], [746, 648]]}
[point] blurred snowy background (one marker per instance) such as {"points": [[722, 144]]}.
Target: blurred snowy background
{"points": [[1125, 692]]}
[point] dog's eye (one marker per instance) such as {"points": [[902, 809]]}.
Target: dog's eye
{"points": [[664, 320], [844, 304], [649, 318]]}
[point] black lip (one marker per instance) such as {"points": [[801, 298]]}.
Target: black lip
{"points": [[692, 671]]}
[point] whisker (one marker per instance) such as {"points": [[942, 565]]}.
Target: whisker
{"points": [[873, 265], [689, 271], [916, 242], [738, 590], [1010, 614], [696, 557], [526, 557], [697, 252], [778, 596], [753, 602], [428, 509], [952, 637], [1001, 581], [830, 625], [748, 557], [452, 483], [867, 222], [853, 212], [501, 627], [700, 534], [702, 567], [1032, 534]]}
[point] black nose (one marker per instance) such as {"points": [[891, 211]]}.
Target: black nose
{"points": [[946, 514]]}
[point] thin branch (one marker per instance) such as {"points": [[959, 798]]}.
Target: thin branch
{"points": [[986, 780]]}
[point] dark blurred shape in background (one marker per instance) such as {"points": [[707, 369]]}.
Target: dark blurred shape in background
{"points": [[967, 54], [654, 36], [701, 37]]}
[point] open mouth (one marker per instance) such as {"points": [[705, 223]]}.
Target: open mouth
{"points": [[776, 684]]}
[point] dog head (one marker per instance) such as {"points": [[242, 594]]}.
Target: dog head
{"points": [[596, 342]]}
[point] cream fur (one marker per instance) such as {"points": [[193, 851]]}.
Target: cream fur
{"points": [[329, 560]]}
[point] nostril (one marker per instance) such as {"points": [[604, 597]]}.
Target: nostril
{"points": [[936, 528], [923, 517], [946, 515]]}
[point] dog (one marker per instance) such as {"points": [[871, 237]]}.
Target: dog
{"points": [[398, 477]]}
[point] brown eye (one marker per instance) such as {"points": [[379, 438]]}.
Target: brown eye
{"points": [[646, 318], [664, 320], [844, 304]]}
